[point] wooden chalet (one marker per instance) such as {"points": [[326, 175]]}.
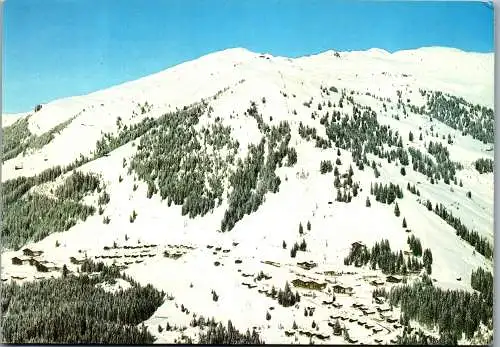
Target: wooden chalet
{"points": [[377, 282], [75, 261], [393, 279], [358, 244], [308, 284], [30, 253], [17, 261], [384, 308], [41, 267], [351, 340], [369, 311], [20, 278], [391, 320], [307, 265], [340, 289]]}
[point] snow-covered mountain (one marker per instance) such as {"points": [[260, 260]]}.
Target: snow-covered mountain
{"points": [[173, 153]]}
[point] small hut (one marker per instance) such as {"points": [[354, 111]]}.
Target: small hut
{"points": [[17, 261], [393, 279], [356, 245], [30, 253], [369, 312], [41, 268], [377, 282], [340, 289], [307, 265], [384, 308]]}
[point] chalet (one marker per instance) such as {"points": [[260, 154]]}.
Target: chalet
{"points": [[351, 340], [75, 261], [393, 279], [356, 245], [377, 282], [309, 285], [307, 265], [18, 166], [369, 312], [30, 253], [322, 337], [329, 273], [17, 261], [340, 289], [17, 278], [41, 267], [391, 320], [384, 308]]}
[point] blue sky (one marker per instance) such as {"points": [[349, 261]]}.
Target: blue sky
{"points": [[58, 48]]}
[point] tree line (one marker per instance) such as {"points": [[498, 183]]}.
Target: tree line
{"points": [[480, 243]]}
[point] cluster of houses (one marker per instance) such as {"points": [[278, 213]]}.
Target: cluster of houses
{"points": [[31, 257]]}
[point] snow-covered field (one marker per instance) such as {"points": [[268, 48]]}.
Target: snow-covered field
{"points": [[244, 76]]}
